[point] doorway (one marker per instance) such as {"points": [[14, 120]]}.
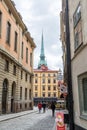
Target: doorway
{"points": [[4, 95], [13, 90]]}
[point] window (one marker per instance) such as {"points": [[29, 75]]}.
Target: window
{"points": [[20, 106], [43, 80], [43, 94], [9, 11], [25, 105], [48, 75], [36, 75], [22, 48], [43, 87], [6, 65], [15, 41], [54, 87], [78, 38], [43, 75], [30, 104], [20, 93], [30, 94], [48, 80], [0, 22], [26, 77], [35, 87], [31, 59], [36, 81], [54, 80], [8, 33], [54, 75], [14, 69], [77, 15], [12, 91], [30, 79], [26, 55], [49, 94], [82, 80], [21, 74], [48, 87], [54, 94], [25, 93], [35, 94]]}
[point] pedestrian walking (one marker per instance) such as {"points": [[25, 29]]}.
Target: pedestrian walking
{"points": [[39, 107], [53, 108], [44, 107]]}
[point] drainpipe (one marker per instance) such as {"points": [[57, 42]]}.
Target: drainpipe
{"points": [[69, 79]]}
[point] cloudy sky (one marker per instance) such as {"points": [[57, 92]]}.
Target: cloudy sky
{"points": [[43, 15]]}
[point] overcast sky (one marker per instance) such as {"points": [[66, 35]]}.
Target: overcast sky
{"points": [[43, 15]]}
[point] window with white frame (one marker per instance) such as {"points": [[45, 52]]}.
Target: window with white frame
{"points": [[82, 85], [78, 39]]}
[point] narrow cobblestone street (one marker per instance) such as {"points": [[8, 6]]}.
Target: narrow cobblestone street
{"points": [[32, 121]]}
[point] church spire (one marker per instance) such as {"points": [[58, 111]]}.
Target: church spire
{"points": [[42, 55]]}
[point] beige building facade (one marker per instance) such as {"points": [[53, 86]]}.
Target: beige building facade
{"points": [[78, 44], [16, 60]]}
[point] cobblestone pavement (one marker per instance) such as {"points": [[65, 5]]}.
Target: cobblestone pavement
{"points": [[32, 121], [45, 124]]}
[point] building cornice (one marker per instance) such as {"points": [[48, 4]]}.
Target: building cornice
{"points": [[41, 71], [15, 13]]}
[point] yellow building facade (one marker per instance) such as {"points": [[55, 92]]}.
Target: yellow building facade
{"points": [[45, 85]]}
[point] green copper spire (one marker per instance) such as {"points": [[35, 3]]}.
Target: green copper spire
{"points": [[42, 56]]}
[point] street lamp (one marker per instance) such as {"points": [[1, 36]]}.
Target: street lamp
{"points": [[69, 79]]}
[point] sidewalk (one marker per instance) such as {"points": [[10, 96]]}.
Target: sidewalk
{"points": [[15, 115]]}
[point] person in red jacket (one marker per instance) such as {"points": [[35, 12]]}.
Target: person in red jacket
{"points": [[39, 107]]}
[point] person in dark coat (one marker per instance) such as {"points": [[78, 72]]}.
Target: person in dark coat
{"points": [[53, 108], [44, 107]]}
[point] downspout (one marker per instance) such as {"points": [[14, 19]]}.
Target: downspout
{"points": [[69, 77]]}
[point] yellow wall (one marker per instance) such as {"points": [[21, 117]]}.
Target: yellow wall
{"points": [[39, 83]]}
